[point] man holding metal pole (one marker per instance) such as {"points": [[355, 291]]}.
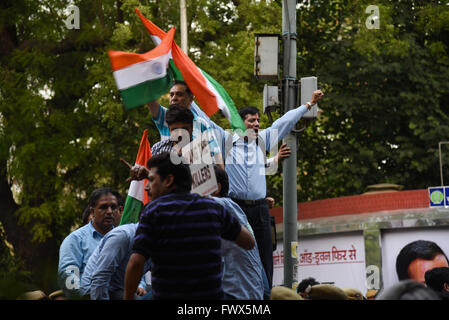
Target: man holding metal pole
{"points": [[245, 163]]}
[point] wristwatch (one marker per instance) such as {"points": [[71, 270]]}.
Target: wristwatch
{"points": [[309, 105]]}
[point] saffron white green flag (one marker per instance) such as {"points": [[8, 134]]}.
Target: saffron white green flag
{"points": [[210, 94], [142, 78], [137, 197]]}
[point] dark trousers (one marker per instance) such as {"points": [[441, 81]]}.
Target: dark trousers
{"points": [[259, 220]]}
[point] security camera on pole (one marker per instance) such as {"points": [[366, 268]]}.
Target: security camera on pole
{"points": [[267, 68]]}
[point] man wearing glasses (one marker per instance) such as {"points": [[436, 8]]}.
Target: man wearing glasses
{"points": [[78, 246]]}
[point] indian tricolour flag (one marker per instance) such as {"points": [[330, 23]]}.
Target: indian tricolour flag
{"points": [[210, 94], [142, 78], [137, 197]]}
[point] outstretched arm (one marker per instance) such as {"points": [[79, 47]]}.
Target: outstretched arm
{"points": [[282, 126]]}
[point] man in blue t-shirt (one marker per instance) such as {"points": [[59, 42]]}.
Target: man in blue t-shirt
{"points": [[181, 232], [78, 246]]}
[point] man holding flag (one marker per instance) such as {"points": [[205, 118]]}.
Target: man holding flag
{"points": [[181, 96], [245, 158]]}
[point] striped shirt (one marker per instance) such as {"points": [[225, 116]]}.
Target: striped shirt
{"points": [[182, 233], [161, 146]]}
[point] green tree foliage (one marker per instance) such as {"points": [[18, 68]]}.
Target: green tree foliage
{"points": [[63, 127], [386, 90]]}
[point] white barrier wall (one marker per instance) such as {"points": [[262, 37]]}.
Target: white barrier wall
{"points": [[337, 258]]}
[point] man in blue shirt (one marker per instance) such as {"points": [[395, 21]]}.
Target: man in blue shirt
{"points": [[181, 232], [245, 161], [104, 274], [78, 246], [243, 274]]}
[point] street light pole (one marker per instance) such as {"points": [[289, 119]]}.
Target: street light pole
{"points": [[183, 18], [290, 206], [441, 162]]}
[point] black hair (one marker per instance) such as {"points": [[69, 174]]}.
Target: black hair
{"points": [[189, 92], [408, 290], [302, 286], [222, 179], [86, 214], [437, 277], [419, 249], [178, 114], [98, 193], [248, 110], [164, 166]]}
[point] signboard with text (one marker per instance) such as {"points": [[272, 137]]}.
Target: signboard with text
{"points": [[333, 258]]}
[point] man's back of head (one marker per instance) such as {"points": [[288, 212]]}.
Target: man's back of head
{"points": [[222, 180], [438, 279], [305, 284], [408, 290]]}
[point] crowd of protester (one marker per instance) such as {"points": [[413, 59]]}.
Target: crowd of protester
{"points": [[186, 246]]}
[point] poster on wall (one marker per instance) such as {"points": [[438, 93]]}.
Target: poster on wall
{"points": [[401, 245], [332, 258]]}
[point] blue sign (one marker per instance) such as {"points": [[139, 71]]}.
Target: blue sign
{"points": [[438, 196]]}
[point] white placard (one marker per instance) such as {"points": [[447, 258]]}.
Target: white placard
{"points": [[197, 153], [204, 181]]}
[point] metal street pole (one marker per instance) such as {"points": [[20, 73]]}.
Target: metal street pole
{"points": [[290, 225], [183, 18], [441, 162]]}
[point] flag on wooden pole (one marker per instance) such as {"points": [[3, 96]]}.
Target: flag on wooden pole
{"points": [[210, 94]]}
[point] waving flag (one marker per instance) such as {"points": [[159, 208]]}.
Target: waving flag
{"points": [[137, 197], [142, 78], [210, 94]]}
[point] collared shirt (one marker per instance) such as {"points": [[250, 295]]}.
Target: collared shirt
{"points": [[74, 253], [200, 125], [243, 270], [246, 160], [182, 232], [105, 270]]}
